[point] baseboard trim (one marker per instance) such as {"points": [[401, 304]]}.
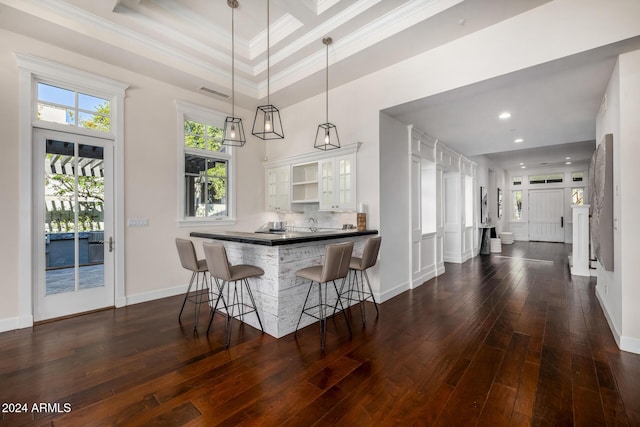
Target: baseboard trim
{"points": [[13, 323], [9, 324], [631, 345], [387, 295], [428, 274], [156, 294], [612, 328]]}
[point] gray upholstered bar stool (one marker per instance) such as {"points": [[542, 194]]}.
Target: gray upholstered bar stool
{"points": [[224, 273], [335, 267], [368, 260], [198, 268]]}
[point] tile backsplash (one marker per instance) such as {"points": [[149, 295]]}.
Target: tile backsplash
{"points": [[324, 220]]}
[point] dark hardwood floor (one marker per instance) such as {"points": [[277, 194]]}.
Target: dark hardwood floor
{"points": [[501, 340]]}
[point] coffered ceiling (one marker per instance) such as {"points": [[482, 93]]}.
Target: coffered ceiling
{"points": [[188, 42]]}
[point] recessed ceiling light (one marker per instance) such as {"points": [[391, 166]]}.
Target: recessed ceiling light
{"points": [[523, 167], [504, 115], [521, 164], [567, 163], [568, 158], [518, 140]]}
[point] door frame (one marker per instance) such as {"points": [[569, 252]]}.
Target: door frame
{"points": [[32, 69], [64, 304], [562, 193]]}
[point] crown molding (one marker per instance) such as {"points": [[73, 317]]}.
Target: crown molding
{"points": [[385, 26]]}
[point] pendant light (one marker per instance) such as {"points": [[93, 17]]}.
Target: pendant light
{"points": [[267, 123], [233, 129], [327, 133]]}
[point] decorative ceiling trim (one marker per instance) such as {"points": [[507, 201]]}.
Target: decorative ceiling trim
{"points": [[383, 27], [76, 19], [280, 29], [324, 5]]}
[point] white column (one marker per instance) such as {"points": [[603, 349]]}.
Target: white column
{"points": [[580, 256]]}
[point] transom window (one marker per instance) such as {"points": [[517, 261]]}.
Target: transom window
{"points": [[546, 179], [72, 108], [207, 164], [516, 180], [577, 176]]}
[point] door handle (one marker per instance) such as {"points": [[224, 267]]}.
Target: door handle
{"points": [[561, 222], [110, 244]]}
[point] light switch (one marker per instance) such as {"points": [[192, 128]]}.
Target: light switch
{"points": [[137, 222]]}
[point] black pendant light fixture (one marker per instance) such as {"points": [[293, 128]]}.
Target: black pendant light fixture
{"points": [[267, 123], [327, 133], [233, 129]]}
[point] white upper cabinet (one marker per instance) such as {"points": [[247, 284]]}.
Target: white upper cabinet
{"points": [[337, 178], [277, 190], [327, 178], [304, 183]]}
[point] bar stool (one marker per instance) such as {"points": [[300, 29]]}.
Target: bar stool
{"points": [[336, 266], [368, 260], [221, 270], [189, 261]]}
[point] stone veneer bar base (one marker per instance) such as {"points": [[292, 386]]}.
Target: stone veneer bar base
{"points": [[279, 296]]}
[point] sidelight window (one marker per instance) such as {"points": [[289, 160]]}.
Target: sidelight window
{"points": [[517, 205]]}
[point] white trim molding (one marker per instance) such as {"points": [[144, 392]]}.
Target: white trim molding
{"points": [[31, 69]]}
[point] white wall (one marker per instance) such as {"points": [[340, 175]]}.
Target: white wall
{"points": [[489, 53], [151, 159], [617, 290], [395, 206], [9, 215], [484, 166], [628, 223], [355, 107]]}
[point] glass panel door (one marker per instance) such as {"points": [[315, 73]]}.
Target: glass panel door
{"points": [[75, 218]]}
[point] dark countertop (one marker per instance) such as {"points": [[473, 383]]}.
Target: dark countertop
{"points": [[268, 239]]}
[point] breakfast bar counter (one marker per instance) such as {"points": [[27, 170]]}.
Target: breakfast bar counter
{"points": [[279, 296]]}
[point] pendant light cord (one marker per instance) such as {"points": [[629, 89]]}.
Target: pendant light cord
{"points": [[268, 63], [327, 80], [233, 64]]}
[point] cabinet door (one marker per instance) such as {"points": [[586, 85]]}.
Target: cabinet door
{"points": [[327, 190], [337, 183], [277, 188], [344, 185]]}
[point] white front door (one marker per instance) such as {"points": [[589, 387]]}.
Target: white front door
{"points": [[73, 224], [546, 210]]}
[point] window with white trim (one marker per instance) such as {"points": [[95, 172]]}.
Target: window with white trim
{"points": [[546, 179], [516, 209], [72, 108], [577, 196], [206, 180]]}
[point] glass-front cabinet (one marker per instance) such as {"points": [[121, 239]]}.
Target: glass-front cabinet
{"points": [[337, 183], [277, 189]]}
